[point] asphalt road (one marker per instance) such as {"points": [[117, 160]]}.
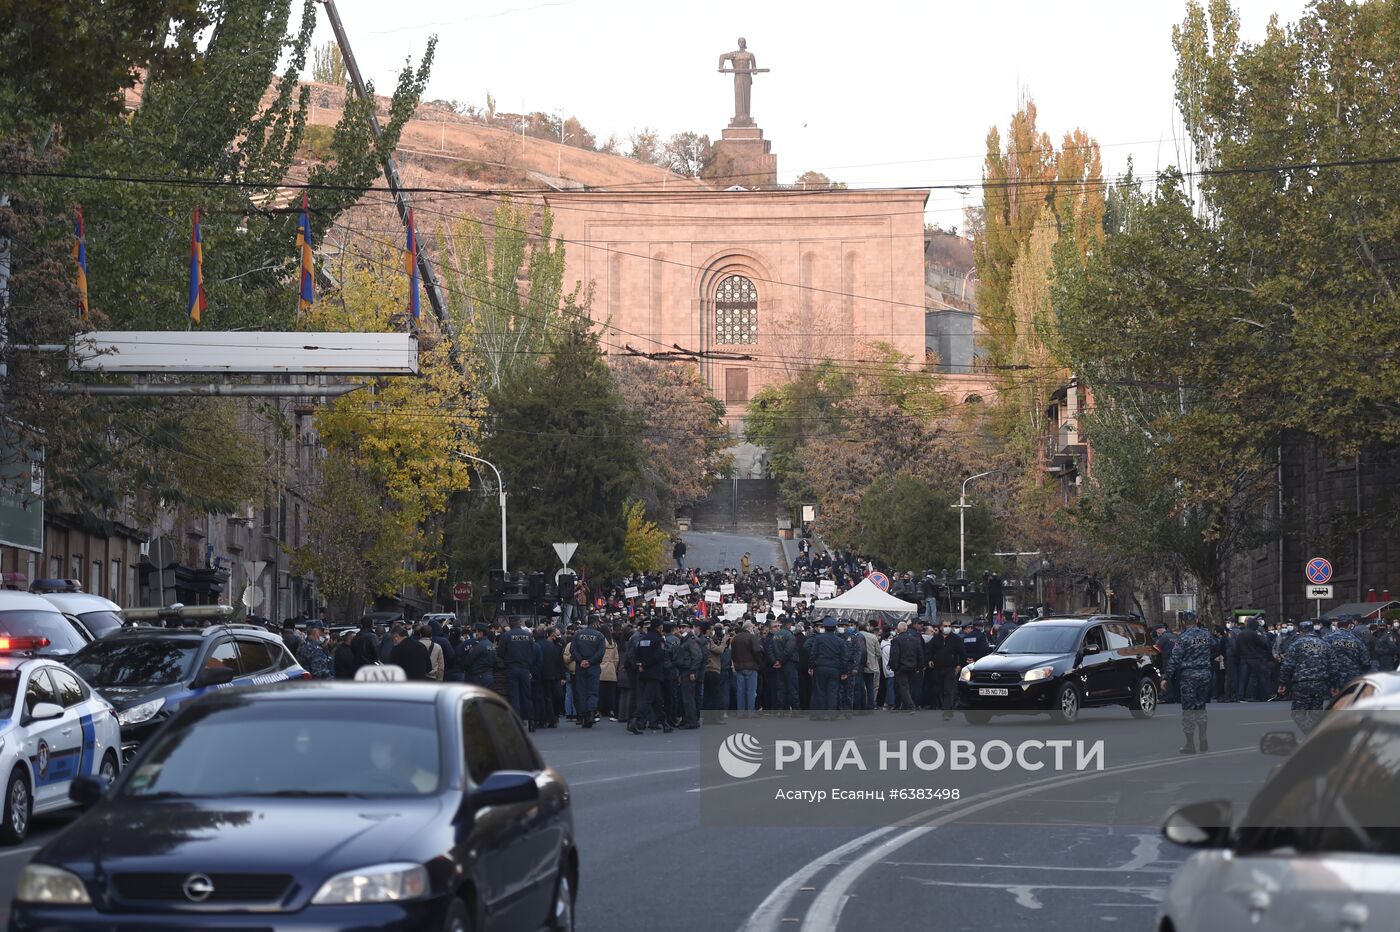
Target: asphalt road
{"points": [[985, 863], [715, 551]]}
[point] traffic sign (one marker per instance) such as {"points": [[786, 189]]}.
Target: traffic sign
{"points": [[881, 580], [1319, 592], [462, 592], [566, 552], [1318, 571]]}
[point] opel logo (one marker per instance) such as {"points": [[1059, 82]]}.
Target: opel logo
{"points": [[198, 888]]}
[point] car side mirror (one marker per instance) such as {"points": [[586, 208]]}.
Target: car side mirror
{"points": [[215, 676], [506, 787], [1199, 825], [1278, 743], [45, 711], [86, 791]]}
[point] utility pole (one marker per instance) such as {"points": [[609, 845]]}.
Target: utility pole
{"points": [[391, 172]]}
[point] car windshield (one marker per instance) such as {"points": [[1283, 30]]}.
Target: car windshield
{"points": [[305, 747], [101, 622], [9, 691], [153, 662], [1041, 639], [63, 637]]}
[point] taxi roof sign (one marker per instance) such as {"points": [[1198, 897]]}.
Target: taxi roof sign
{"points": [[381, 673]]}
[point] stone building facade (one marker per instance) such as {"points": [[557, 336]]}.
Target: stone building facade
{"points": [[1341, 508], [774, 279]]}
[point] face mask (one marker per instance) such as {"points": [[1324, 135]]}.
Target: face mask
{"points": [[947, 630], [840, 630]]}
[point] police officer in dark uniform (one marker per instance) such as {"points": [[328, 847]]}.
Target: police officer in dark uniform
{"points": [[785, 696], [1189, 668], [587, 649], [650, 657], [478, 658], [1309, 674], [689, 658], [518, 654], [830, 665], [1349, 653]]}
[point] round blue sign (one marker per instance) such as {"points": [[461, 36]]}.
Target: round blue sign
{"points": [[881, 580], [1318, 570]]}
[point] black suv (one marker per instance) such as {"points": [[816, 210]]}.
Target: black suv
{"points": [[1062, 665], [146, 673]]}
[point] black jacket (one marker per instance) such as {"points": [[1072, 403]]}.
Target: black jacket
{"points": [[412, 656], [907, 653], [946, 652]]}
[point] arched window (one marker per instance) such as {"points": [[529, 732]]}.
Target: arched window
{"points": [[736, 311]]}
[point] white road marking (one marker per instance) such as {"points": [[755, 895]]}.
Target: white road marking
{"points": [[824, 914], [630, 776]]}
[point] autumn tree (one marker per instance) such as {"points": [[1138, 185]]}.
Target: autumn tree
{"points": [[818, 181], [645, 145], [400, 440], [328, 65], [687, 154], [682, 431], [644, 542]]}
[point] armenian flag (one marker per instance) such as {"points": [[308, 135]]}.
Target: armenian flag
{"points": [[411, 259], [306, 295], [80, 257], [197, 301]]}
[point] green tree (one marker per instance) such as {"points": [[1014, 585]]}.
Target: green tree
{"points": [[483, 268], [908, 524], [644, 543], [569, 453], [328, 65]]}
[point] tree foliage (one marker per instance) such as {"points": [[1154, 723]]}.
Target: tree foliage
{"points": [[569, 452], [682, 431], [909, 524], [328, 65], [644, 543], [399, 441]]}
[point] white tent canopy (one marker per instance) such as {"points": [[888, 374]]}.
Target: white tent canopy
{"points": [[865, 600]]}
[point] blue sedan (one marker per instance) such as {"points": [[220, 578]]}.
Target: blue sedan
{"points": [[318, 806]]}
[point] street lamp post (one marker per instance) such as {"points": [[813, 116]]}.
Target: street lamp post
{"points": [[501, 489], [962, 533]]}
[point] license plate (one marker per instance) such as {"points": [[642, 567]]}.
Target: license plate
{"points": [[994, 691]]}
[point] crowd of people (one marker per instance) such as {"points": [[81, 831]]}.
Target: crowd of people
{"points": [[655, 650]]}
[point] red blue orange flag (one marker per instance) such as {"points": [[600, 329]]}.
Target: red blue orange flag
{"points": [[80, 257], [197, 301], [411, 259], [306, 294]]}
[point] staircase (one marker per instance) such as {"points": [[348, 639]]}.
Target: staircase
{"points": [[739, 506]]}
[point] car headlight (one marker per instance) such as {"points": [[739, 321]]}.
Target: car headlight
{"points": [[382, 883], [1039, 673], [53, 886], [966, 674], [140, 713]]}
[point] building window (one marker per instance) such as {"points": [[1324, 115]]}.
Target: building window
{"points": [[736, 311], [114, 581], [55, 567], [96, 581]]}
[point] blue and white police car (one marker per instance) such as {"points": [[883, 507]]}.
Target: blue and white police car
{"points": [[53, 727]]}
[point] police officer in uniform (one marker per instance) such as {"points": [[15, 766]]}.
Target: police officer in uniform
{"points": [[587, 649], [518, 654], [830, 661], [785, 668], [689, 659], [478, 658], [650, 657], [1189, 668], [1309, 675], [1349, 653]]}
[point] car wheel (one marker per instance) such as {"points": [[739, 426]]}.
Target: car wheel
{"points": [[1067, 704], [19, 808], [1145, 699], [561, 917], [458, 918], [107, 773], [977, 718]]}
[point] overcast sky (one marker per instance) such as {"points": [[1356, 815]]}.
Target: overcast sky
{"points": [[879, 92]]}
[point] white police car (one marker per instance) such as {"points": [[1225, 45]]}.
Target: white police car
{"points": [[53, 727], [98, 615]]}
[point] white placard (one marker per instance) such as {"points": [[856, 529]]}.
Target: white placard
{"points": [[651, 595], [631, 592], [779, 595], [761, 618], [726, 588], [827, 587], [809, 588], [675, 590], [712, 596], [736, 610]]}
